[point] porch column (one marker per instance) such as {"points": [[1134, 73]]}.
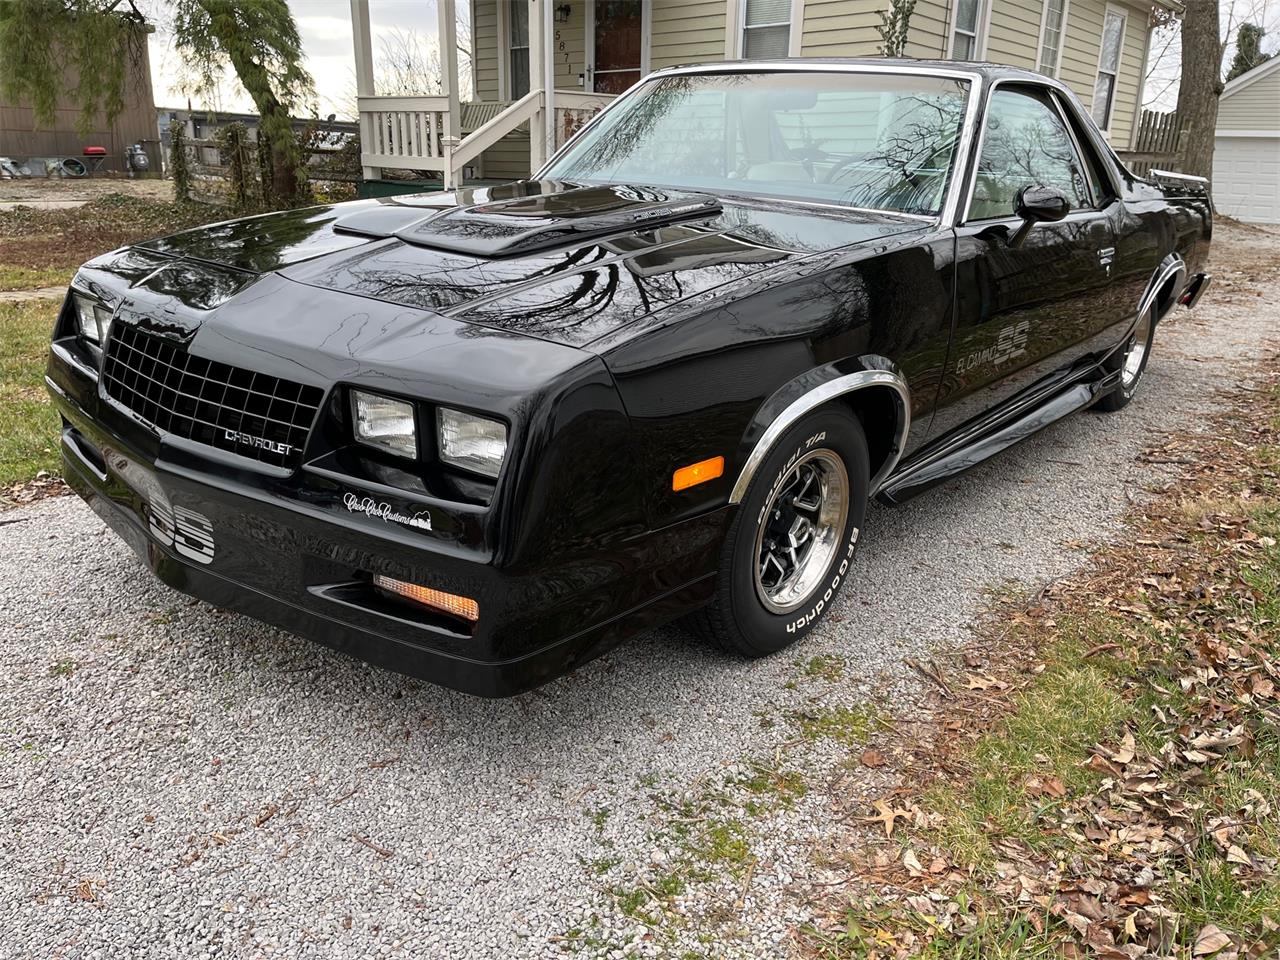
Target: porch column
{"points": [[363, 42], [447, 33], [541, 67]]}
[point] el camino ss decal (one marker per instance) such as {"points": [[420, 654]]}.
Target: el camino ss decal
{"points": [[1011, 342], [384, 511]]}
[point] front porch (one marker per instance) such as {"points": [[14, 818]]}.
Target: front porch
{"points": [[523, 117]]}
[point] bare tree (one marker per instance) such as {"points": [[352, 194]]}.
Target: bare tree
{"points": [[409, 64], [1201, 85]]}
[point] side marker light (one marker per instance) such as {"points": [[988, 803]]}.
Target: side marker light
{"points": [[696, 473]]}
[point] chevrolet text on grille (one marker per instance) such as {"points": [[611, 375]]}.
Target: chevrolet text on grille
{"points": [[259, 443]]}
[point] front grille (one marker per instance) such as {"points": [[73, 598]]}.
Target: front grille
{"points": [[252, 414]]}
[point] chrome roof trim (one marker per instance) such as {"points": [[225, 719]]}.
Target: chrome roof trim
{"points": [[1178, 176]]}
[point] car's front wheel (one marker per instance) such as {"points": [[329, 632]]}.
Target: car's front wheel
{"points": [[792, 542], [1132, 364]]}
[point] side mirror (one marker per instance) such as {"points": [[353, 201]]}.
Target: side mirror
{"points": [[1037, 205]]}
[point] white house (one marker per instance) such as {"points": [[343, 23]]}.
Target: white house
{"points": [[1246, 154]]}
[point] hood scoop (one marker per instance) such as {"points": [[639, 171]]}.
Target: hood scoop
{"points": [[523, 225]]}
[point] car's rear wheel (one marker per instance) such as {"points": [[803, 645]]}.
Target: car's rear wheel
{"points": [[790, 546], [1132, 364]]}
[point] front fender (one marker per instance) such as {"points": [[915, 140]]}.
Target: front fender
{"points": [[831, 382]]}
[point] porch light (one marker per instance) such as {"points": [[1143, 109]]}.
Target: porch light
{"points": [[562, 12]]}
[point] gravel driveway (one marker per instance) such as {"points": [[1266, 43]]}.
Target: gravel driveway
{"points": [[181, 781]]}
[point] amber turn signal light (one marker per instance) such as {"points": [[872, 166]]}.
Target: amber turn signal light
{"points": [[449, 603], [696, 473]]}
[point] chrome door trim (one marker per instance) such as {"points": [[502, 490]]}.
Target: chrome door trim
{"points": [[1068, 103], [823, 393]]}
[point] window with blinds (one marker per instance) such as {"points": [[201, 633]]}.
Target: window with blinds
{"points": [[766, 29], [1104, 87], [518, 48], [1051, 39], [964, 35]]}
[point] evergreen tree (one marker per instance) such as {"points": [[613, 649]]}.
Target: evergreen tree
{"points": [[1248, 50]]}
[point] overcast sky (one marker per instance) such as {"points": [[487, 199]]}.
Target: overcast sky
{"points": [[325, 26]]}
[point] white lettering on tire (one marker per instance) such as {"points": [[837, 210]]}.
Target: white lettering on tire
{"points": [[801, 622]]}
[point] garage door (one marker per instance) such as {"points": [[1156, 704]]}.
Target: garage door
{"points": [[1246, 178]]}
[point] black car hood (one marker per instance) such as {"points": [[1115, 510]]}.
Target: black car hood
{"points": [[562, 262]]}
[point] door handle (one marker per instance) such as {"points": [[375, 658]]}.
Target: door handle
{"points": [[1106, 256]]}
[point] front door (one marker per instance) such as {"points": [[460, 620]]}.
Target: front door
{"points": [[618, 45], [1025, 315]]}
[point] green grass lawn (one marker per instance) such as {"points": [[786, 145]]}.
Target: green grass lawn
{"points": [[15, 277], [42, 248], [28, 421]]}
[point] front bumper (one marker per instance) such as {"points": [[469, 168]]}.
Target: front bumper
{"points": [[307, 570]]}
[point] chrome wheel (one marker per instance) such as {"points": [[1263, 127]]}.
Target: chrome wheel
{"points": [[801, 529], [1136, 355]]}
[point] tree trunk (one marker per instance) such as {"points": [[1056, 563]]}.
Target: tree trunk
{"points": [[1201, 85], [275, 127]]}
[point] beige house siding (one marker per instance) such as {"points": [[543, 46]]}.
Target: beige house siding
{"points": [[927, 38], [569, 49], [1014, 34], [847, 28], [686, 31], [484, 29], [840, 28], [1254, 107], [508, 159], [1080, 61]]}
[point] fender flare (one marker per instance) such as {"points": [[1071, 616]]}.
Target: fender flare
{"points": [[1172, 265], [786, 405]]}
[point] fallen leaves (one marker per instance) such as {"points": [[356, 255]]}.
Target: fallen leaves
{"points": [[1189, 635], [887, 815]]}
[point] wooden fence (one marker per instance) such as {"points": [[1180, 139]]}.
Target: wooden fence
{"points": [[1157, 145]]}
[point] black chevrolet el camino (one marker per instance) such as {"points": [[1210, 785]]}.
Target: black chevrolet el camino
{"points": [[481, 437]]}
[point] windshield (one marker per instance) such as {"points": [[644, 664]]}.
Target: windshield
{"points": [[872, 140]]}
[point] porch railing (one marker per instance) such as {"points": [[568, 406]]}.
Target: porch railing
{"points": [[415, 133], [404, 132], [487, 134]]}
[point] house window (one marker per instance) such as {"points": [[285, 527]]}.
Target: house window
{"points": [[1055, 17], [964, 35], [766, 29], [518, 48], [1104, 87]]}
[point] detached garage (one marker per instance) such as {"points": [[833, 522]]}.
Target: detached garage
{"points": [[1246, 155]]}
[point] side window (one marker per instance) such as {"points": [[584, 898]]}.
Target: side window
{"points": [[1025, 145]]}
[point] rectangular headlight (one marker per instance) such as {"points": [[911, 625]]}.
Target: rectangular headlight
{"points": [[384, 423], [92, 318], [470, 442]]}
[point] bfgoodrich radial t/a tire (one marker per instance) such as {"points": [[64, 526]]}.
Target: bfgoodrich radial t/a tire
{"points": [[790, 547]]}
